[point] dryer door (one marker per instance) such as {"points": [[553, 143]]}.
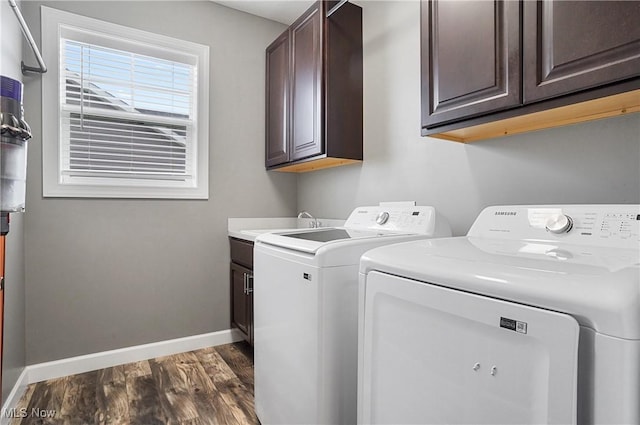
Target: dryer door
{"points": [[433, 355]]}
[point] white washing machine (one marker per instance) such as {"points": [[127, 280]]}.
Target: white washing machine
{"points": [[306, 311], [532, 318]]}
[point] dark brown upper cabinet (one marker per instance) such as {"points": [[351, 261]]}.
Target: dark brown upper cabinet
{"points": [[576, 45], [306, 85], [277, 119], [505, 67], [468, 76], [314, 104]]}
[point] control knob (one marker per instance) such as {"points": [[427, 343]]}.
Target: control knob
{"points": [[559, 223], [382, 218]]}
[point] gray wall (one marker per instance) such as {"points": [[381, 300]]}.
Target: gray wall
{"points": [[13, 348], [596, 162], [105, 274]]}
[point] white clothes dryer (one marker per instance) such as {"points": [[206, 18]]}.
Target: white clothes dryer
{"points": [[532, 318], [306, 311]]}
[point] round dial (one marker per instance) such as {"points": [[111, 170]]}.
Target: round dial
{"points": [[382, 218], [559, 223]]}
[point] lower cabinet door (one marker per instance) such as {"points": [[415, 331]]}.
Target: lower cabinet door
{"points": [[250, 307], [241, 310]]}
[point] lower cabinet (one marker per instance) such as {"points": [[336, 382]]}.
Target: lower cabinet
{"points": [[241, 281]]}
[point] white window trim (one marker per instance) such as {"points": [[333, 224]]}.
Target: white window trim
{"points": [[52, 22]]}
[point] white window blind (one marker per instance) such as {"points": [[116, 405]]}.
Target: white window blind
{"points": [[132, 111], [125, 115]]}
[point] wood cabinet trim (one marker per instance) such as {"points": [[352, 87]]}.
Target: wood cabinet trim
{"points": [[620, 104], [316, 164]]}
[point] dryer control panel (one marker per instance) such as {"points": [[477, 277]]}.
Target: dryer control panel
{"points": [[600, 225]]}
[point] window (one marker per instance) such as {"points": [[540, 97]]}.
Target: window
{"points": [[125, 111]]}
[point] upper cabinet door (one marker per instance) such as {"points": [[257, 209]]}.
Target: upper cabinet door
{"points": [[470, 58], [575, 45], [306, 85], [277, 99]]}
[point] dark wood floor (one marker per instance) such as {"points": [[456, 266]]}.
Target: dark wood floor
{"points": [[209, 386]]}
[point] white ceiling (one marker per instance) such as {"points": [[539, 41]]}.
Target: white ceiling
{"points": [[284, 11]]}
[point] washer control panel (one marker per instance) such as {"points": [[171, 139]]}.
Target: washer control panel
{"points": [[602, 225], [414, 219]]}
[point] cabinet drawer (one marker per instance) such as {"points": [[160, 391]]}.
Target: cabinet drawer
{"points": [[242, 252]]}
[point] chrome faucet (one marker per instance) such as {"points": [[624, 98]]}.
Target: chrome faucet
{"points": [[314, 221]]}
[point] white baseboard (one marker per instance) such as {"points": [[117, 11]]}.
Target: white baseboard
{"points": [[74, 365], [80, 364]]}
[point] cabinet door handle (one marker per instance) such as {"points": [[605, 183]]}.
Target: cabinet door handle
{"points": [[246, 283], [249, 283]]}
